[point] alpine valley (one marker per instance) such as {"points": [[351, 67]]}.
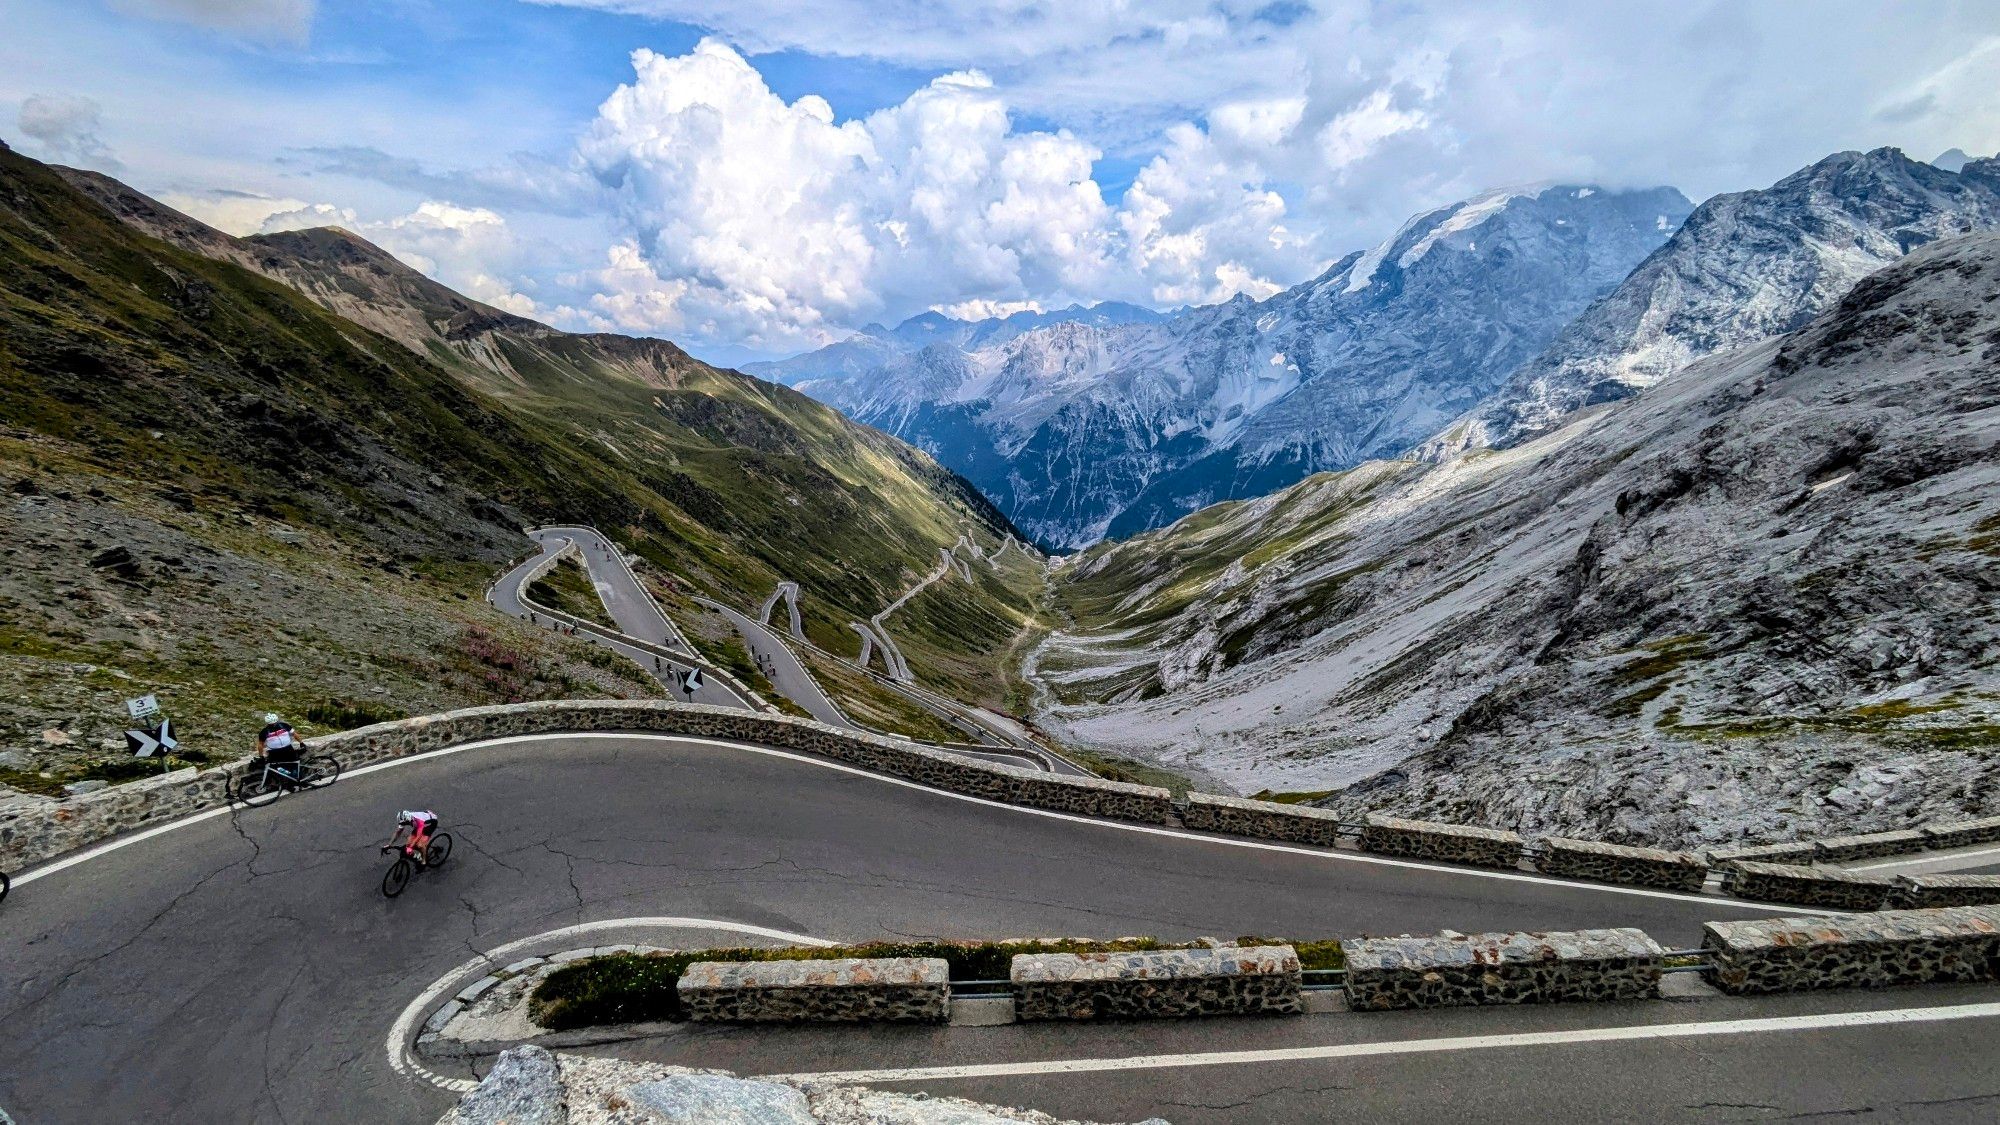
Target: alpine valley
{"points": [[1713, 582], [1111, 420]]}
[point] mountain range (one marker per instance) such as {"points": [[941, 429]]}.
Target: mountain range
{"points": [[1095, 425], [1743, 267], [1482, 323], [1756, 599]]}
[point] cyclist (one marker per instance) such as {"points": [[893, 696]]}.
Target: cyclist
{"points": [[280, 744], [421, 825]]}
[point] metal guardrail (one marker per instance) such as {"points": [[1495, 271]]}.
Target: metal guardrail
{"points": [[1700, 957], [1323, 980]]}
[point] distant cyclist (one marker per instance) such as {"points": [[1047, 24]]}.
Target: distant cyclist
{"points": [[279, 743], [421, 826]]}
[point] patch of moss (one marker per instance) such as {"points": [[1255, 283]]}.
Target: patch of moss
{"points": [[1302, 797], [1665, 657], [1629, 706], [1113, 768], [567, 587]]}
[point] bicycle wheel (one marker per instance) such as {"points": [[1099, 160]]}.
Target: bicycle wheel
{"points": [[315, 772], [439, 849], [259, 787], [397, 878], [5, 883]]}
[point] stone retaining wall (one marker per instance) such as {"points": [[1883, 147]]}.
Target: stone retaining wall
{"points": [[1455, 843], [1855, 950], [1810, 886], [1266, 820], [1962, 833], [1158, 984], [848, 990], [1615, 863], [1839, 849], [1760, 853], [35, 832], [1452, 969], [1922, 891]]}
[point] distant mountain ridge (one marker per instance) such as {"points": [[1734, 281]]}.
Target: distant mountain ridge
{"points": [[1082, 427], [1745, 266]]}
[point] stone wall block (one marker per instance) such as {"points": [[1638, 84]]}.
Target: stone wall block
{"points": [[1452, 843], [1615, 863], [1875, 950], [1760, 853], [1158, 984], [1963, 833], [1838, 849], [848, 990], [1453, 969], [1266, 820], [1827, 887], [1915, 892]]}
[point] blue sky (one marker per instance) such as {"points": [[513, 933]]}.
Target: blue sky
{"points": [[752, 177]]}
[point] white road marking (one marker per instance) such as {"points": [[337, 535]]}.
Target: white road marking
{"points": [[404, 1030], [1935, 857], [1824, 1021], [1222, 841]]}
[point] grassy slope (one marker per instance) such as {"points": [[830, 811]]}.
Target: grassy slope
{"points": [[961, 637], [312, 508], [777, 484], [567, 587]]}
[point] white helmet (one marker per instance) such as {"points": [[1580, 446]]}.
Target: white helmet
{"points": [[270, 716]]}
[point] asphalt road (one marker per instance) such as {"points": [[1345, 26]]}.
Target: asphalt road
{"points": [[784, 670], [621, 599], [245, 967]]}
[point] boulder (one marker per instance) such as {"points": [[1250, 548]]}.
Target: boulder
{"points": [[718, 1099], [523, 1088]]}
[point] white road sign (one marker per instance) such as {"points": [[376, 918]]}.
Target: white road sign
{"points": [[143, 706]]}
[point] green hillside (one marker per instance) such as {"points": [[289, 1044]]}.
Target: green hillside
{"points": [[220, 488]]}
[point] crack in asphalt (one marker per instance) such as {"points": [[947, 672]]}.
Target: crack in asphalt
{"points": [[1253, 1099], [1916, 1103], [270, 1022], [137, 934]]}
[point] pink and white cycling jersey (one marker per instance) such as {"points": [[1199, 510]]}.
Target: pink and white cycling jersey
{"points": [[411, 818]]}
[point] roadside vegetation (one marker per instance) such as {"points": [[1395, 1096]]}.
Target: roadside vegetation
{"points": [[567, 587], [640, 987], [877, 707]]}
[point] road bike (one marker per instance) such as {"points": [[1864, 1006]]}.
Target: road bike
{"points": [[404, 869], [265, 781]]}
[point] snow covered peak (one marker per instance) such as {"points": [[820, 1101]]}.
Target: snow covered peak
{"points": [[1743, 267]]}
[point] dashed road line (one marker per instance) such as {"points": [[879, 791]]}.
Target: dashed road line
{"points": [[404, 1030]]}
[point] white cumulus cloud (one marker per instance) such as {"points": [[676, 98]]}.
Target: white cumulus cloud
{"points": [[771, 223]]}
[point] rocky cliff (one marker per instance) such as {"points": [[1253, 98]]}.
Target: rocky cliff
{"points": [[1756, 599]]}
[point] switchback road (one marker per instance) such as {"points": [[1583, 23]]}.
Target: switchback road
{"points": [[634, 611]]}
